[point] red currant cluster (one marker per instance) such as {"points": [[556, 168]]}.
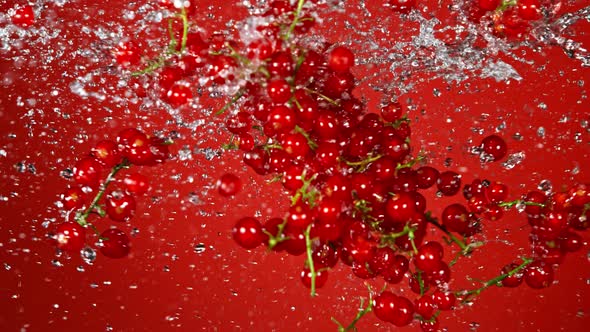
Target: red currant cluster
{"points": [[510, 18], [355, 186], [99, 191]]}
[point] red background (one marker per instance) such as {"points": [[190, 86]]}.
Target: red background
{"points": [[165, 285]]}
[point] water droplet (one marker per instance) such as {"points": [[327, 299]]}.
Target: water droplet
{"points": [[513, 160], [199, 248], [88, 255], [541, 132], [473, 326], [80, 269], [545, 185], [185, 153], [7, 267], [56, 263]]}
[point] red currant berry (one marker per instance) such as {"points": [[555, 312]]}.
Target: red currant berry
{"points": [[403, 313], [384, 306], [391, 112], [497, 192], [431, 325], [178, 95], [425, 306], [24, 16], [427, 176], [120, 206], [488, 5], [456, 218], [402, 6], [87, 172], [444, 300], [278, 90], [513, 280], [449, 183], [115, 243], [107, 153], [429, 256], [571, 241], [400, 207], [70, 236], [136, 183], [228, 185], [538, 275], [535, 197], [341, 59], [248, 233], [321, 277], [382, 259], [529, 10], [494, 148], [73, 198], [280, 64], [127, 54], [394, 274]]}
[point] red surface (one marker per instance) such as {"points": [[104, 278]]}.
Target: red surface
{"points": [[165, 285]]}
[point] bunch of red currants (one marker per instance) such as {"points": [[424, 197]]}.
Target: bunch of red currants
{"points": [[100, 191]]}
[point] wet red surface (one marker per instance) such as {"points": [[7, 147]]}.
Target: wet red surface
{"points": [[166, 284]]}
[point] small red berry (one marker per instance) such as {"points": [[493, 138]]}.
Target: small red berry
{"points": [[320, 279], [87, 172], [515, 279], [120, 206], [538, 275], [127, 54], [73, 198], [402, 6], [529, 10], [494, 148], [107, 153], [229, 185], [248, 233], [488, 5], [178, 95], [115, 243], [136, 183], [24, 16], [341, 59], [278, 90], [70, 236]]}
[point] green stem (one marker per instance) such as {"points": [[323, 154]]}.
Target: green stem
{"points": [[465, 249], [511, 204], [326, 98], [505, 5], [234, 99], [363, 164], [393, 236], [410, 163], [310, 264], [274, 240], [183, 41], [313, 145], [158, 63], [295, 19], [82, 219], [468, 295], [307, 192], [359, 315]]}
